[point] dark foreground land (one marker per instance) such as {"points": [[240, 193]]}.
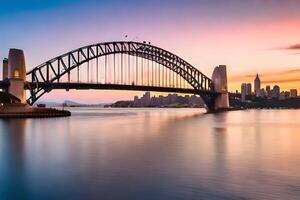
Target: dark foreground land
{"points": [[25, 111], [292, 103]]}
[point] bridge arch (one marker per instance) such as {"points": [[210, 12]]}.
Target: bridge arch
{"points": [[53, 70]]}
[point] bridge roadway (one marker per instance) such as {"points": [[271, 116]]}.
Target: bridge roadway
{"points": [[99, 86]]}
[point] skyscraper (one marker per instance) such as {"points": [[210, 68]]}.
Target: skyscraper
{"points": [[136, 101], [257, 86], [268, 90], [275, 92], [293, 93], [248, 89], [243, 91], [146, 99]]}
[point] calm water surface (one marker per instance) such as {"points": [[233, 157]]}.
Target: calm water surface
{"points": [[152, 154]]}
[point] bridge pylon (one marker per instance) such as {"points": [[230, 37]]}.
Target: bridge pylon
{"points": [[221, 100], [14, 71]]}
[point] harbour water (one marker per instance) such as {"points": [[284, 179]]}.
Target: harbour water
{"points": [[152, 154]]}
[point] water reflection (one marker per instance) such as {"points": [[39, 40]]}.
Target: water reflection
{"points": [[219, 134], [12, 159], [152, 154]]}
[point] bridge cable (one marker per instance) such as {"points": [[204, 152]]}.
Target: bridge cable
{"points": [[97, 64], [148, 71], [136, 71], [142, 60], [121, 68], [128, 68], [114, 68], [152, 73], [78, 59], [105, 68]]}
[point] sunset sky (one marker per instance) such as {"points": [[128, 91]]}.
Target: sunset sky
{"points": [[249, 36]]}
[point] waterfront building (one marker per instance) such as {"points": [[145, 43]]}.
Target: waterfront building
{"points": [[275, 92], [282, 96], [248, 89], [257, 86], [165, 101], [287, 94], [195, 100], [268, 91], [170, 99], [160, 100], [293, 93], [182, 100], [154, 101], [136, 101], [173, 98], [243, 92], [261, 93], [146, 99]]}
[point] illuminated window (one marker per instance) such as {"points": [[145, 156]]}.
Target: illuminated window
{"points": [[16, 73]]}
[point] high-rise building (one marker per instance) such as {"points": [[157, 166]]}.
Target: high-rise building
{"points": [[169, 99], [174, 98], [146, 99], [248, 89], [243, 92], [262, 93], [268, 91], [275, 92], [293, 93], [257, 86], [287, 94], [136, 101], [160, 100], [282, 96]]}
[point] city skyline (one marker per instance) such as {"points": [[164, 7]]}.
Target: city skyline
{"points": [[167, 100], [251, 37], [269, 91]]}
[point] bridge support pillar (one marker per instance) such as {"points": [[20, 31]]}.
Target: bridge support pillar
{"points": [[219, 78], [14, 69]]}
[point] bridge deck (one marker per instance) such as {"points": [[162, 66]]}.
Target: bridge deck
{"points": [[98, 86]]}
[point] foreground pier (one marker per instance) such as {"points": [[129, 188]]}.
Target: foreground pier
{"points": [[26, 111]]}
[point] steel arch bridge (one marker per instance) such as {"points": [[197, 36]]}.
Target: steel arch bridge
{"points": [[122, 65]]}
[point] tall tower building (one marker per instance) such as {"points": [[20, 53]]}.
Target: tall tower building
{"points": [[276, 92], [257, 86], [248, 89], [243, 91], [268, 90], [293, 93]]}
